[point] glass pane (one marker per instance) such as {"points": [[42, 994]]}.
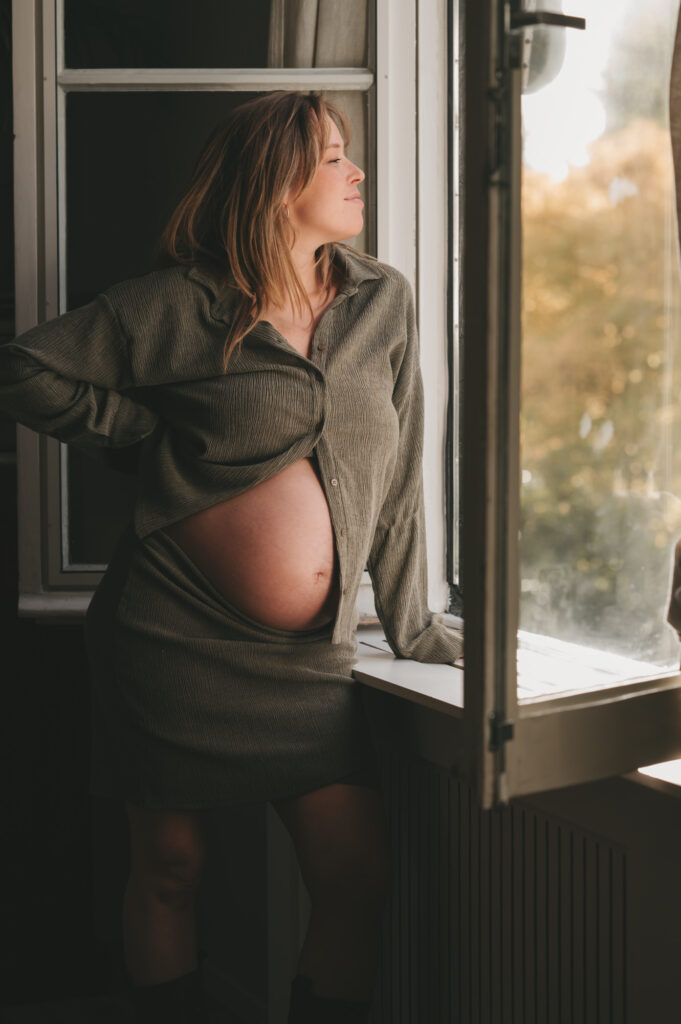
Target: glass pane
{"points": [[166, 33], [215, 34], [129, 157], [100, 503], [601, 378]]}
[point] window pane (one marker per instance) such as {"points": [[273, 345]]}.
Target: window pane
{"points": [[100, 502], [129, 157], [215, 33], [601, 379], [166, 33]]}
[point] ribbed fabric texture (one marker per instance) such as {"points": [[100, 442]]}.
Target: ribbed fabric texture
{"points": [[142, 364], [195, 704]]}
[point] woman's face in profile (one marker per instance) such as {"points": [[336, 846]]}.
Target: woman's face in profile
{"points": [[329, 209]]}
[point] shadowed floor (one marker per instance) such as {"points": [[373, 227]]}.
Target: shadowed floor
{"points": [[102, 1010]]}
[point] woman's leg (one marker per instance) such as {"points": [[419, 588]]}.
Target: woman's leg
{"points": [[167, 850], [340, 839]]}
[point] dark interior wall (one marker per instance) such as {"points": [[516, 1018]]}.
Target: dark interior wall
{"points": [[64, 859], [47, 946]]}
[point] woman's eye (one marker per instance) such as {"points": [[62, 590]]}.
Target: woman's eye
{"points": [[336, 160]]}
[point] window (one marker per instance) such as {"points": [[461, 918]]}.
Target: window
{"points": [[121, 82], [569, 382], [571, 669], [601, 377]]}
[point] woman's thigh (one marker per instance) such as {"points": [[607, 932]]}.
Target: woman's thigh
{"points": [[340, 838]]}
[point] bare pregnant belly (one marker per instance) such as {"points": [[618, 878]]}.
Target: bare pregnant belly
{"points": [[270, 550]]}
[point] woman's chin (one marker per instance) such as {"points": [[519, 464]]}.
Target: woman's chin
{"points": [[344, 233], [356, 229]]}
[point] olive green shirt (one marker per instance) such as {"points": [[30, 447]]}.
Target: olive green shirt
{"points": [[142, 365]]}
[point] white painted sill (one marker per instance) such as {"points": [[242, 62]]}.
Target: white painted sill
{"points": [[547, 669], [434, 686]]}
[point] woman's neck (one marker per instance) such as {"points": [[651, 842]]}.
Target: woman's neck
{"points": [[304, 259]]}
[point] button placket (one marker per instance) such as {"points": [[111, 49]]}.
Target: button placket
{"points": [[342, 532]]}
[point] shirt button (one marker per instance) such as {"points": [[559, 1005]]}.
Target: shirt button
{"points": [[334, 482], [343, 532], [321, 346], [345, 590]]}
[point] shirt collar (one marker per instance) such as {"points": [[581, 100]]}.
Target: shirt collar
{"points": [[356, 268]]}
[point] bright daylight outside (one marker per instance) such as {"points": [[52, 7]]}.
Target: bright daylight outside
{"points": [[601, 352]]}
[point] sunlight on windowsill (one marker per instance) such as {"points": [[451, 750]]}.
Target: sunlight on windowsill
{"points": [[547, 668], [666, 771]]}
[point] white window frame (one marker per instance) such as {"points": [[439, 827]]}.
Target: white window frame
{"points": [[411, 235]]}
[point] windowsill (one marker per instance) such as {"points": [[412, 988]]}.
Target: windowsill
{"points": [[55, 605], [664, 777], [441, 687], [548, 668], [434, 686]]}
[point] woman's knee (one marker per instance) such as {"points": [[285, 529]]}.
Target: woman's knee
{"points": [[167, 854], [342, 847]]}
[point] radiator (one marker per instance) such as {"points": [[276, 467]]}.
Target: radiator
{"points": [[496, 917]]}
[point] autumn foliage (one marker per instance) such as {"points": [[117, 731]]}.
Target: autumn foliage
{"points": [[601, 405]]}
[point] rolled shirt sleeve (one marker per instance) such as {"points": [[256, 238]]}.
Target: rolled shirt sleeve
{"points": [[398, 559]]}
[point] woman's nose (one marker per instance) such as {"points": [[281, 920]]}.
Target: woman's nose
{"points": [[356, 173]]}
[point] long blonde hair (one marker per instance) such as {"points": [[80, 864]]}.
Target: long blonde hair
{"points": [[232, 217]]}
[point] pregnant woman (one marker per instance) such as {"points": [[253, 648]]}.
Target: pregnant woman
{"points": [[266, 386]]}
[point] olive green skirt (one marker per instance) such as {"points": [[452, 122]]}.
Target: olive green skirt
{"points": [[197, 705]]}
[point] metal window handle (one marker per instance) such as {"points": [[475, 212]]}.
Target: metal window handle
{"points": [[528, 19]]}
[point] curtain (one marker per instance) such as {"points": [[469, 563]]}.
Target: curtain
{"points": [[675, 117], [318, 34]]}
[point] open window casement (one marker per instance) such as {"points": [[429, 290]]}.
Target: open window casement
{"points": [[572, 395]]}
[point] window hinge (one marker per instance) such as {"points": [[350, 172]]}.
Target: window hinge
{"points": [[455, 604], [500, 731]]}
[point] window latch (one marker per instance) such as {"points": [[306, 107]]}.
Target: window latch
{"points": [[500, 731], [529, 19]]}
